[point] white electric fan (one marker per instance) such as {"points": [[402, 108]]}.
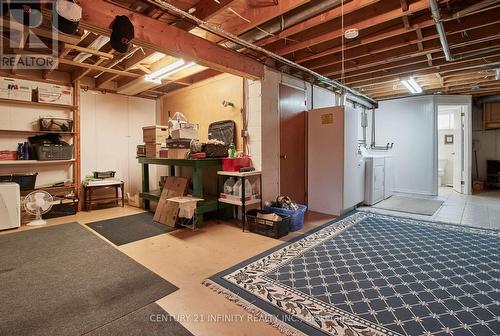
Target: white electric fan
{"points": [[37, 203]]}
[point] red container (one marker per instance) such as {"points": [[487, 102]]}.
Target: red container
{"points": [[8, 155], [234, 164]]}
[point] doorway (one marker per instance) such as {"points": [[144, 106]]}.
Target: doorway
{"points": [[292, 107], [451, 149]]}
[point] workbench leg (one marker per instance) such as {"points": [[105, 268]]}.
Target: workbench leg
{"points": [[145, 184], [243, 203], [198, 182], [199, 220]]}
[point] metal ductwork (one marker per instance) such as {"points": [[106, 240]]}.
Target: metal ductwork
{"points": [[366, 101], [436, 15], [285, 21]]}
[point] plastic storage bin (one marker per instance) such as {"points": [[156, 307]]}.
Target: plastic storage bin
{"points": [[26, 182], [48, 152], [296, 216], [235, 164], [267, 227]]}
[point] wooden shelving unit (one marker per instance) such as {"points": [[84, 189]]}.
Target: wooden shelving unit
{"points": [[34, 132], [34, 162], [37, 104], [74, 111]]}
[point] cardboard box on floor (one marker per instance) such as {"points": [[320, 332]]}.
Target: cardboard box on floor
{"points": [[166, 211]]}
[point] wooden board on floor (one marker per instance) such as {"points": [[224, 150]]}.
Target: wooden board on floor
{"points": [[166, 211]]}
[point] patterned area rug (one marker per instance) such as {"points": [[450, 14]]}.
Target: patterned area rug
{"points": [[369, 274]]}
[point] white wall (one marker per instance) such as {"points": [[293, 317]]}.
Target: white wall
{"points": [[111, 128], [410, 124]]}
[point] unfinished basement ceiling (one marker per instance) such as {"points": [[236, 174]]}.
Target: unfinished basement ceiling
{"points": [[397, 39]]}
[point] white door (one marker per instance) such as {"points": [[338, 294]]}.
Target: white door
{"points": [[458, 150]]}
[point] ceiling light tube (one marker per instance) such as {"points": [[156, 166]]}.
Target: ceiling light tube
{"points": [[415, 85], [168, 70], [408, 86], [411, 85]]}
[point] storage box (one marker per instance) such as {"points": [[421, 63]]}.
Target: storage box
{"points": [[186, 131], [141, 150], [155, 134], [235, 164], [55, 94], [274, 229], [174, 153], [26, 182], [62, 207], [56, 124], [8, 155], [296, 216], [153, 150], [478, 185], [164, 153], [49, 152], [15, 89]]}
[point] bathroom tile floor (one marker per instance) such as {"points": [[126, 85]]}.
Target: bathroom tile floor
{"points": [[479, 210]]}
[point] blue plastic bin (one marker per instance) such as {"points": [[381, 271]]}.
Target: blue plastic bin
{"points": [[297, 216]]}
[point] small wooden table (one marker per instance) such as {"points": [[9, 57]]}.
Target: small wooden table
{"points": [[88, 191]]}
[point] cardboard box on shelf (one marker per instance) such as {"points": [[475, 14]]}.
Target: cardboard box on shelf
{"points": [[185, 131], [153, 150], [180, 153], [156, 133], [15, 89], [55, 94]]}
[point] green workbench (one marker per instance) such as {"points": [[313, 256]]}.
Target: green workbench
{"points": [[210, 202]]}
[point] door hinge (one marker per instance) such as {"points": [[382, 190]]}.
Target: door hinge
{"points": [[462, 182]]}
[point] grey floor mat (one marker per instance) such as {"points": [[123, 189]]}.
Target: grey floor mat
{"points": [[64, 280], [420, 206], [151, 320], [128, 229]]}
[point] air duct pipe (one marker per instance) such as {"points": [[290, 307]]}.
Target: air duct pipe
{"points": [[286, 21], [436, 15]]}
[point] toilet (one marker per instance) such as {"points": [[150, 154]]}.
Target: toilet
{"points": [[441, 169]]}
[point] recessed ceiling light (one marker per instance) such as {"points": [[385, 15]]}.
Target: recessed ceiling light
{"points": [[351, 33]]}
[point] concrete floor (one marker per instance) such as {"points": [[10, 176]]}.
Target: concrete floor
{"points": [[478, 210], [186, 258]]}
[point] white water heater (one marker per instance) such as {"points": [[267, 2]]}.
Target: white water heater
{"points": [[10, 206]]}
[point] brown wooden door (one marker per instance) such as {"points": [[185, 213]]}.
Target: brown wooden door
{"points": [[293, 143]]}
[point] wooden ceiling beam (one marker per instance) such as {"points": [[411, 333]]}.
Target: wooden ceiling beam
{"points": [[257, 15], [397, 38], [416, 60], [129, 64], [330, 15], [482, 38], [394, 38], [98, 68], [365, 23], [423, 69], [385, 54], [155, 35], [205, 10]]}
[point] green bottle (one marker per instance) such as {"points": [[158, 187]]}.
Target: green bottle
{"points": [[233, 151]]}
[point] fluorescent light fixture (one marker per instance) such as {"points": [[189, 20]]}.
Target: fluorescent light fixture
{"points": [[169, 70], [411, 85]]}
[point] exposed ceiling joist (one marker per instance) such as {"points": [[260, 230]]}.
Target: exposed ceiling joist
{"points": [[152, 34]]}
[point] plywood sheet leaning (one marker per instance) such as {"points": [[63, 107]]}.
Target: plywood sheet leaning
{"points": [[166, 211]]}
